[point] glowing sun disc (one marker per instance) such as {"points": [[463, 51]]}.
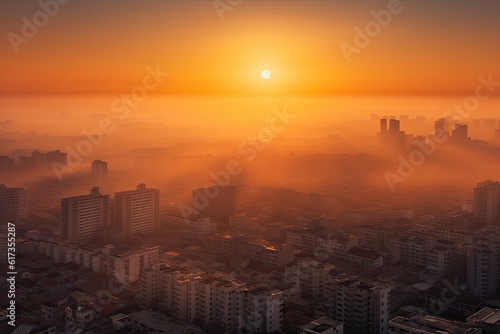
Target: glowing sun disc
{"points": [[265, 74]]}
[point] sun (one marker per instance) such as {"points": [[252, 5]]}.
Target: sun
{"points": [[265, 74]]}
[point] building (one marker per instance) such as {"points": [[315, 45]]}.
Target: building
{"points": [[362, 307], [247, 225], [488, 319], [42, 161], [460, 134], [414, 248], [422, 323], [483, 269], [99, 169], [366, 258], [13, 204], [124, 265], [374, 236], [275, 256], [137, 211], [442, 125], [220, 305], [84, 217], [260, 310], [338, 245], [392, 136], [218, 203], [200, 227], [151, 322], [439, 260], [487, 202], [307, 277], [7, 165], [323, 326]]}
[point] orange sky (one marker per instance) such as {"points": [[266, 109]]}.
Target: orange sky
{"points": [[104, 46]]}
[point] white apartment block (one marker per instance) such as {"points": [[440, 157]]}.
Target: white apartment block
{"points": [[189, 295], [124, 266], [307, 277], [487, 202], [84, 217], [362, 307], [483, 269], [137, 211], [414, 249], [201, 226], [439, 260]]}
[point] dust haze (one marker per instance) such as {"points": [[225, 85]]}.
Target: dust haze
{"points": [[331, 146]]}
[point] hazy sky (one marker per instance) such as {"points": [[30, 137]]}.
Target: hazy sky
{"points": [[429, 47]]}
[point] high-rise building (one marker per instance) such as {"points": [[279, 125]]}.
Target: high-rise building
{"points": [[218, 203], [483, 269], [393, 135], [394, 125], [363, 307], [442, 125], [137, 211], [487, 202], [460, 133], [383, 127], [99, 169], [84, 217], [13, 204], [224, 306]]}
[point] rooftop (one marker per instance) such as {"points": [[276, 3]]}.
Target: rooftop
{"points": [[364, 253], [487, 315], [433, 324], [160, 322]]}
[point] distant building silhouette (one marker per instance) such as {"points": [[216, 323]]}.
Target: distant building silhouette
{"points": [[392, 136], [487, 202], [13, 204], [99, 169], [442, 125], [460, 135], [137, 211], [7, 165], [497, 134], [42, 161], [84, 217]]}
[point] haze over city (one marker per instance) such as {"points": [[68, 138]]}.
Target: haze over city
{"points": [[241, 166]]}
